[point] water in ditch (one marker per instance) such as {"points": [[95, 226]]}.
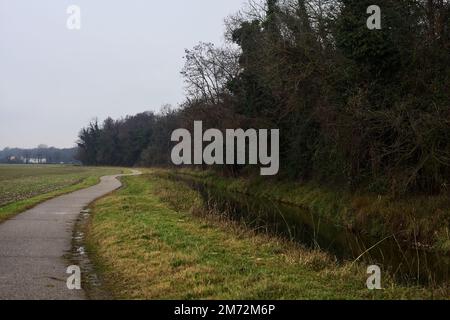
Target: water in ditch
{"points": [[405, 261]]}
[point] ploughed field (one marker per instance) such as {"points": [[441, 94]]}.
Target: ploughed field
{"points": [[19, 182], [23, 186]]}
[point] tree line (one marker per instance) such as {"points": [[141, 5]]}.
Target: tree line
{"points": [[354, 106], [41, 154]]}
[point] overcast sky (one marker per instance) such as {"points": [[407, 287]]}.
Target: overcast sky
{"points": [[125, 59]]}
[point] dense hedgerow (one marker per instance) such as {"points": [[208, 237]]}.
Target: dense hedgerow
{"points": [[355, 106]]}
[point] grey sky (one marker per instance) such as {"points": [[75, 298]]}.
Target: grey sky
{"points": [[125, 59]]}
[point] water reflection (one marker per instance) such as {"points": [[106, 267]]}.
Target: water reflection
{"points": [[404, 261]]}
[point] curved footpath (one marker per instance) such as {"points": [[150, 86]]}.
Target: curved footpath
{"points": [[34, 243]]}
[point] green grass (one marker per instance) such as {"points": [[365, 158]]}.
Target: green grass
{"points": [[415, 218], [24, 186], [151, 240]]}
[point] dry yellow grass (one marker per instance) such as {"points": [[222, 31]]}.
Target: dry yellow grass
{"points": [[150, 240]]}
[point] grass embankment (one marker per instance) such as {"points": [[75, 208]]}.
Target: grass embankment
{"points": [[24, 186], [423, 220], [151, 240]]}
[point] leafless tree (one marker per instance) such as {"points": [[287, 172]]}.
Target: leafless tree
{"points": [[207, 70]]}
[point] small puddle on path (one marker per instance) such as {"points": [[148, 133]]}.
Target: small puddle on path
{"points": [[78, 256]]}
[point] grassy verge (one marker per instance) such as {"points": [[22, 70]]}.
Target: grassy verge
{"points": [[151, 240], [82, 178], [421, 219]]}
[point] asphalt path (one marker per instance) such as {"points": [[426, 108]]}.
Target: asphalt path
{"points": [[34, 246]]}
